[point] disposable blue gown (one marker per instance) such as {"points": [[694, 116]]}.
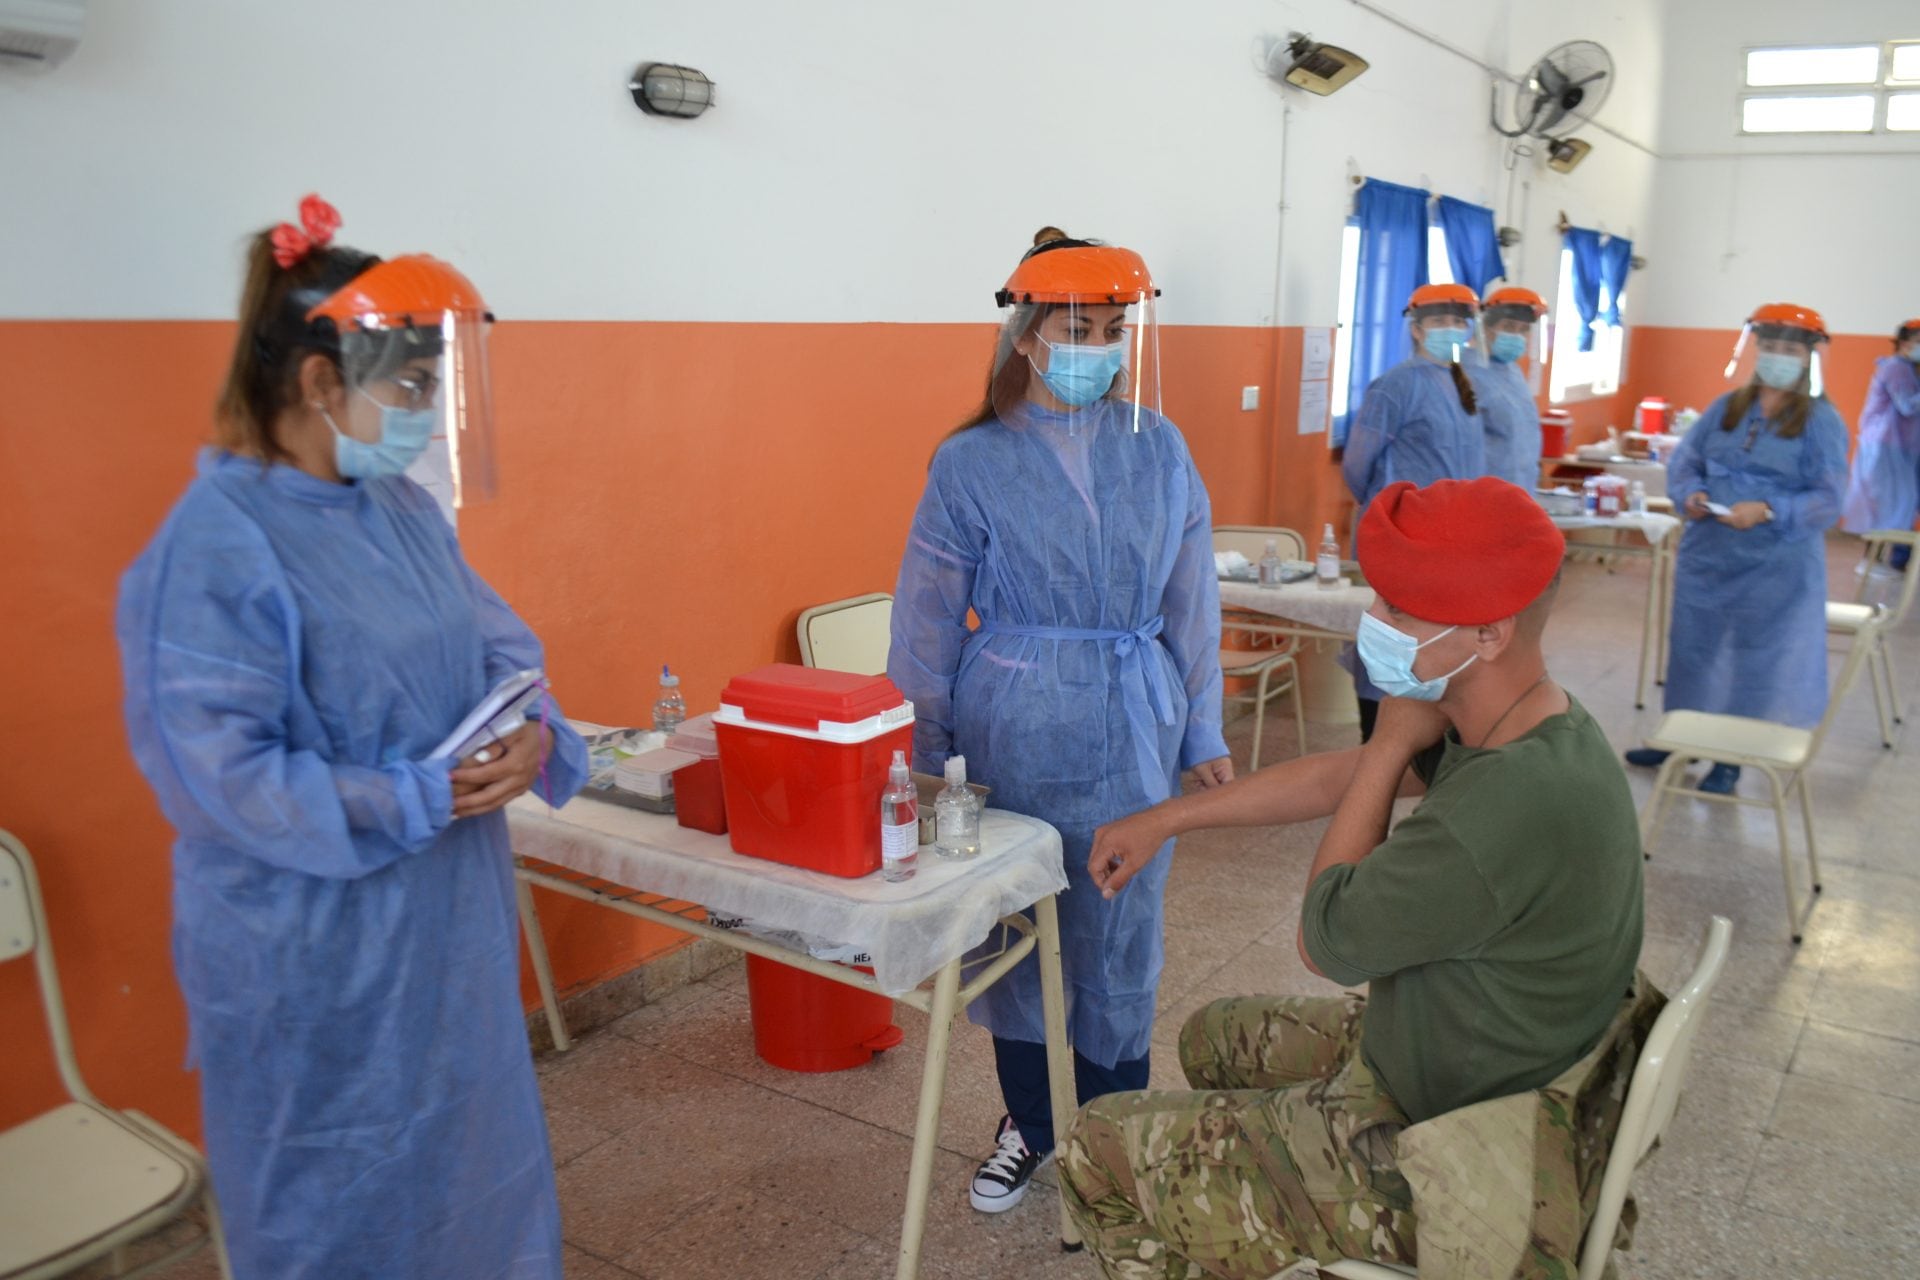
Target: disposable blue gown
{"points": [[1086, 551], [293, 650], [1750, 607], [1410, 426], [1512, 422], [1884, 492]]}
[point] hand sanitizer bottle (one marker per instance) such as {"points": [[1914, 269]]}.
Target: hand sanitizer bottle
{"points": [[899, 822], [1271, 564], [1326, 565], [956, 814]]}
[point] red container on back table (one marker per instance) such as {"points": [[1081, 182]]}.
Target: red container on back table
{"points": [[1653, 417], [804, 753], [1555, 424], [699, 797]]}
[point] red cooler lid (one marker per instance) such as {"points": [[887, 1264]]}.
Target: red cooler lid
{"points": [[806, 697]]}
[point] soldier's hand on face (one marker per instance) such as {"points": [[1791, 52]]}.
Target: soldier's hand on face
{"points": [[1121, 849], [1408, 725]]}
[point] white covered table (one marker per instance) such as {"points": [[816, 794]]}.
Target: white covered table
{"points": [[916, 931], [1321, 613]]}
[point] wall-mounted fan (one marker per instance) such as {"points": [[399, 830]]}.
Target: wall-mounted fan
{"points": [[1562, 91]]}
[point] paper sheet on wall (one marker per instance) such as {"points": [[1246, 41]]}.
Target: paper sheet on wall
{"points": [[1314, 403], [1316, 355]]}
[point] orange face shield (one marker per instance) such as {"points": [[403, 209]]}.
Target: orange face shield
{"points": [[1081, 339], [413, 336]]}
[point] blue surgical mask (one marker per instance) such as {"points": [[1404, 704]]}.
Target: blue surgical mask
{"points": [[1913, 353], [1507, 347], [404, 436], [1444, 344], [1388, 654], [1780, 371], [1080, 375]]}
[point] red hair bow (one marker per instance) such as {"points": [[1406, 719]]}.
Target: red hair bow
{"points": [[291, 244]]}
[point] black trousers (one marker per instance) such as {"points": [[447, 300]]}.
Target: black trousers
{"points": [[1022, 1067]]}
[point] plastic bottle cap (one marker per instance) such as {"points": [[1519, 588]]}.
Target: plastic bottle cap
{"points": [[957, 770], [668, 680]]}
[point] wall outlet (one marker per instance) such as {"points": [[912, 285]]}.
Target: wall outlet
{"points": [[1249, 398]]}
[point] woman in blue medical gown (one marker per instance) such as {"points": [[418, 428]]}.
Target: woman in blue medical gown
{"points": [[1510, 324], [1070, 519], [1884, 491], [297, 640], [1749, 635]]}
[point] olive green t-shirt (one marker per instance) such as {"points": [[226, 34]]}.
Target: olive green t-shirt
{"points": [[1498, 926]]}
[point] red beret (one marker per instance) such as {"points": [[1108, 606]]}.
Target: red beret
{"points": [[1461, 552]]}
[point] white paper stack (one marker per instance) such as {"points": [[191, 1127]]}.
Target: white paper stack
{"points": [[651, 774]]}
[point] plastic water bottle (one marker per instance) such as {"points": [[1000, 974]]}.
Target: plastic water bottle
{"points": [[1326, 565], [1637, 498], [669, 709], [956, 815], [899, 822], [1271, 565]]}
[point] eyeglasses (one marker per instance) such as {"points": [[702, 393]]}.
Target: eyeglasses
{"points": [[417, 388]]}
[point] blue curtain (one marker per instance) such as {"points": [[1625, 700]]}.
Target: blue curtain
{"points": [[1616, 259], [1473, 245], [1596, 263], [1393, 262]]}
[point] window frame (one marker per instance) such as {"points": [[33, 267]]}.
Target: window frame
{"points": [[1340, 372], [1614, 336], [1881, 89]]}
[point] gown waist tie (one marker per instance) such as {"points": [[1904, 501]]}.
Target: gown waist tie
{"points": [[1149, 699]]}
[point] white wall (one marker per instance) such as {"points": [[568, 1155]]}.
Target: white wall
{"points": [[868, 160], [1743, 220]]}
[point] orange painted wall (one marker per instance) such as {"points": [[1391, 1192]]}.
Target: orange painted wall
{"points": [[673, 492]]}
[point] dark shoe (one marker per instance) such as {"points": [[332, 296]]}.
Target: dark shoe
{"points": [[1647, 757], [1720, 780]]}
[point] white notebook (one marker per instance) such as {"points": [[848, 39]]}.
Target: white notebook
{"points": [[504, 709]]}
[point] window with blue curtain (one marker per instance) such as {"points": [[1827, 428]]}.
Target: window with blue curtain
{"points": [[1392, 263], [1473, 243], [1597, 261]]}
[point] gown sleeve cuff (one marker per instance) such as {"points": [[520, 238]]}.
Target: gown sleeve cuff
{"points": [[425, 793], [1203, 743]]}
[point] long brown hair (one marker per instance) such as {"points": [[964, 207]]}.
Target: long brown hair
{"points": [[1791, 424], [1009, 375], [275, 337]]}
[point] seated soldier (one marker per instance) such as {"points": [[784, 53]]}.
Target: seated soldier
{"points": [[1496, 927]]}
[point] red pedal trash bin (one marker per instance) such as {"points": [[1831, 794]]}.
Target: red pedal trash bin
{"points": [[803, 1022]]}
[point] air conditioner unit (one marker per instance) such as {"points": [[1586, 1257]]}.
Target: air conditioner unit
{"points": [[39, 35]]}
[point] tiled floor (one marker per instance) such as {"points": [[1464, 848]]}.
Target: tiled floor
{"points": [[1796, 1151]]}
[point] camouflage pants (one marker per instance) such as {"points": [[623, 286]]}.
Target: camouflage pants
{"points": [[1285, 1153]]}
